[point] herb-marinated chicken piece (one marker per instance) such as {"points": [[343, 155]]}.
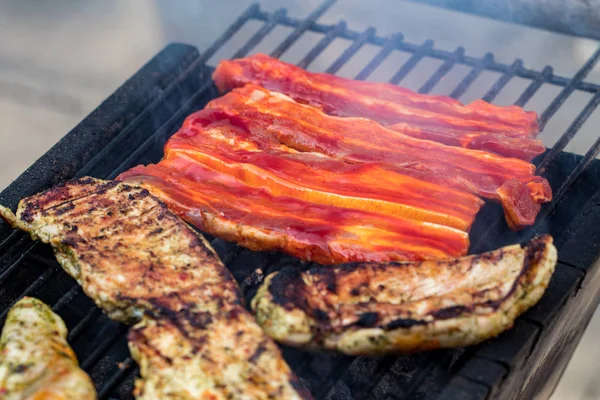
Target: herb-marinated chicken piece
{"points": [[369, 308], [142, 264], [36, 362]]}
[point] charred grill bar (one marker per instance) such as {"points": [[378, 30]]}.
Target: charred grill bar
{"points": [[121, 133]]}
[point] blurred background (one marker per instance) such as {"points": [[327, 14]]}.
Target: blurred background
{"points": [[60, 59]]}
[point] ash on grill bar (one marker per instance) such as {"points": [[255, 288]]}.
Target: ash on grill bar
{"points": [[356, 309]]}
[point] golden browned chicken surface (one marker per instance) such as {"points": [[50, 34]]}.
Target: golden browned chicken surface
{"points": [[36, 362], [369, 308], [124, 247], [222, 354], [141, 263]]}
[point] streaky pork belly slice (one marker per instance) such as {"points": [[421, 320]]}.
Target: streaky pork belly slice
{"points": [[509, 181], [235, 145], [255, 218], [524, 149], [478, 125]]}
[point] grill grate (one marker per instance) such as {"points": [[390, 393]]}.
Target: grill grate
{"points": [[178, 81]]}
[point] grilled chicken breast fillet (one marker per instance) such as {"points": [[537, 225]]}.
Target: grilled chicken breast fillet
{"points": [[36, 362], [236, 360], [368, 308], [140, 263]]}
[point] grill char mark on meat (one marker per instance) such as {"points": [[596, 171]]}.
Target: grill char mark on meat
{"points": [[405, 307], [142, 265]]}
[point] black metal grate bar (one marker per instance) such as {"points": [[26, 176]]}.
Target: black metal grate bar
{"points": [[390, 44], [271, 22], [92, 314], [425, 367], [569, 133], [268, 26], [462, 87], [569, 88], [67, 297], [412, 62], [237, 24], [338, 370], [351, 50], [534, 86], [10, 246], [589, 156], [442, 71], [125, 368], [101, 348], [444, 54], [382, 367], [322, 45], [228, 34], [41, 259], [502, 81], [301, 28], [13, 266], [11, 241], [545, 76], [137, 153], [37, 284]]}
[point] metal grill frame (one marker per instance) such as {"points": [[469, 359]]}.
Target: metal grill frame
{"points": [[177, 81]]}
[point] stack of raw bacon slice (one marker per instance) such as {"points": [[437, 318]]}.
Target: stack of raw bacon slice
{"points": [[508, 131], [289, 161]]}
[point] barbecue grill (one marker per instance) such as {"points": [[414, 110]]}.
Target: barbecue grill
{"points": [[523, 362]]}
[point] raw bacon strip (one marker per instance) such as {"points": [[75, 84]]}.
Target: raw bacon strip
{"points": [[509, 181], [525, 149], [224, 206], [233, 145], [440, 118]]}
